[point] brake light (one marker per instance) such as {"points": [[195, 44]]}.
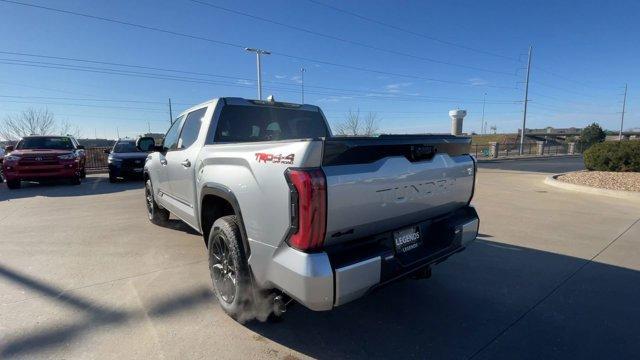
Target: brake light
{"points": [[308, 194]]}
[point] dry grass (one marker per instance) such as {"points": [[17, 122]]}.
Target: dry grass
{"points": [[628, 181]]}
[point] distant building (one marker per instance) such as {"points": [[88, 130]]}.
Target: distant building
{"points": [[549, 129]]}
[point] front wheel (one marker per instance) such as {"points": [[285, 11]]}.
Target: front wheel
{"points": [[13, 184], [229, 270], [156, 214]]}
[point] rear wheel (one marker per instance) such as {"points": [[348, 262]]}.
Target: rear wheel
{"points": [[156, 214], [13, 184], [229, 269], [112, 178], [83, 173]]}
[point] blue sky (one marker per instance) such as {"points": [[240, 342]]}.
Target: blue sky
{"points": [[451, 54]]}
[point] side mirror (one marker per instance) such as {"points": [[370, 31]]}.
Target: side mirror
{"points": [[80, 147], [8, 148], [146, 144], [107, 151]]}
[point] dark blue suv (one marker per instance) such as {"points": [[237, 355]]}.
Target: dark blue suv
{"points": [[125, 160]]}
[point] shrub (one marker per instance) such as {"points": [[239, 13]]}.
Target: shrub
{"points": [[613, 156], [591, 135]]}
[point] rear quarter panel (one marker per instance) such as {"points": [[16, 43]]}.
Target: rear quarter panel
{"points": [[254, 172]]}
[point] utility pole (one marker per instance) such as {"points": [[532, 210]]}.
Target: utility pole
{"points": [[624, 104], [170, 113], [484, 100], [302, 70], [259, 65], [117, 132], [149, 126], [526, 100]]}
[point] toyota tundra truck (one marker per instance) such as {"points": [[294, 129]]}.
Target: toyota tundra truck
{"points": [[286, 208]]}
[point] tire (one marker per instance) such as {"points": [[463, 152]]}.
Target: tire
{"points": [[229, 269], [77, 180], [13, 184], [112, 179], [156, 214], [83, 173]]}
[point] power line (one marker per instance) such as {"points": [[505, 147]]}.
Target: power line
{"points": [[346, 92], [219, 42], [398, 28], [345, 40], [83, 105]]}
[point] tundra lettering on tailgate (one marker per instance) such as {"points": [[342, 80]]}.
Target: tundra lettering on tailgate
{"points": [[404, 193]]}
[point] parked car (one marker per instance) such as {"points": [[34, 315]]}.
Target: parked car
{"points": [[1, 159], [288, 210], [36, 158], [125, 160]]}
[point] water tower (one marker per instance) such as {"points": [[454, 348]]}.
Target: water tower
{"points": [[456, 121]]}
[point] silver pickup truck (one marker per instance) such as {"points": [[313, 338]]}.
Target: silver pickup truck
{"points": [[289, 211]]}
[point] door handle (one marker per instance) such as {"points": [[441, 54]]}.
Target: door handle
{"points": [[163, 162], [186, 163]]}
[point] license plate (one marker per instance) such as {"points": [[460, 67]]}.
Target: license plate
{"points": [[407, 239]]}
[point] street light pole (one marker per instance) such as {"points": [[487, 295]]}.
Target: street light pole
{"points": [[259, 66], [484, 100], [302, 70]]}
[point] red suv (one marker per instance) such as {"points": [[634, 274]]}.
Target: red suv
{"points": [[37, 158]]}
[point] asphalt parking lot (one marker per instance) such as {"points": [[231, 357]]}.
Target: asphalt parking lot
{"points": [[554, 274]]}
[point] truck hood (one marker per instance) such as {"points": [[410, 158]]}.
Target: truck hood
{"points": [[33, 152], [133, 155]]}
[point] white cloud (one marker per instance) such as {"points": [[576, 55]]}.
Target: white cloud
{"points": [[478, 81], [280, 76], [244, 82], [397, 87]]}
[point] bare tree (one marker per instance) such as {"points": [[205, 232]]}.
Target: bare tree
{"points": [[353, 125], [35, 122], [30, 121], [67, 128], [371, 124]]}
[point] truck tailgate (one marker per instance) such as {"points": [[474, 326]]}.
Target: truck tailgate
{"points": [[379, 184]]}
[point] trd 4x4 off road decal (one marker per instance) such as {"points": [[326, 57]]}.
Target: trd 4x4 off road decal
{"points": [[275, 158]]}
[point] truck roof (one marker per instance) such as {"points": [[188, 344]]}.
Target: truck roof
{"points": [[252, 102]]}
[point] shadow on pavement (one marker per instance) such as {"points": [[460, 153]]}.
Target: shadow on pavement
{"points": [[98, 315], [471, 299], [491, 301], [92, 185]]}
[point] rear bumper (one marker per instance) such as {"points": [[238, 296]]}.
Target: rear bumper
{"points": [[324, 280]]}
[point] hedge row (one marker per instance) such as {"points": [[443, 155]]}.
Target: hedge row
{"points": [[613, 156]]}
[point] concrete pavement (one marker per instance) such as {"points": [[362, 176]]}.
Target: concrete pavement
{"points": [[83, 274]]}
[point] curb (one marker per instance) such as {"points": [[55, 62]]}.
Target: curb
{"points": [[619, 194], [529, 158]]}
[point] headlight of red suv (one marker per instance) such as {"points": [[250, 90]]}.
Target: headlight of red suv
{"points": [[69, 156], [11, 159]]}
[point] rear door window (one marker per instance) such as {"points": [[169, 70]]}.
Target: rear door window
{"points": [[238, 123]]}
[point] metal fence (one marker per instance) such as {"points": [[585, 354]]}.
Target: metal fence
{"points": [[528, 149], [97, 159]]}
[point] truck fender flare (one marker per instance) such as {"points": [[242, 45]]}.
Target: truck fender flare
{"points": [[225, 193]]}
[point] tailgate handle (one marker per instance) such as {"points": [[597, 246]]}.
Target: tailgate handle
{"points": [[422, 152]]}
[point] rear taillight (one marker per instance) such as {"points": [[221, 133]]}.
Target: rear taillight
{"points": [[308, 194]]}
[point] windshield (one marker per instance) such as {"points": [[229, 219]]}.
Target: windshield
{"points": [[125, 147], [52, 143]]}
